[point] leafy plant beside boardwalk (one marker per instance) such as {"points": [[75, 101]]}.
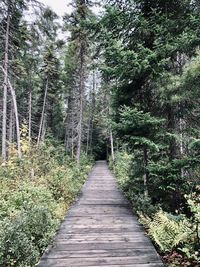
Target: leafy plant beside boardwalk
{"points": [[175, 233], [35, 193]]}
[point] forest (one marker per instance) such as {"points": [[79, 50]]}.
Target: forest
{"points": [[121, 85]]}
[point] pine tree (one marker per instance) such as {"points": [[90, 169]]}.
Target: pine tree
{"points": [[76, 22]]}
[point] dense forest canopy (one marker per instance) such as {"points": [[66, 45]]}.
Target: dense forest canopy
{"points": [[121, 85]]}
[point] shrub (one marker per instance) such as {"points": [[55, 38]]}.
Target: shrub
{"points": [[122, 167], [35, 193], [175, 233]]}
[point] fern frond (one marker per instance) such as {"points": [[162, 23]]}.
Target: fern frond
{"points": [[168, 231]]}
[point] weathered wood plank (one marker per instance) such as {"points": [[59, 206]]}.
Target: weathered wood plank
{"points": [[98, 253], [103, 245], [101, 230], [140, 259]]}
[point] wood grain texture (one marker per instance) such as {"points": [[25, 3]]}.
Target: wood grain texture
{"points": [[101, 230]]}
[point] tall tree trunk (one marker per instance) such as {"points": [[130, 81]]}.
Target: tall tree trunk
{"points": [[5, 88], [30, 116], [171, 126], [72, 144], [43, 113], [80, 131], [14, 99], [44, 128], [88, 135], [16, 118], [91, 113], [146, 174], [93, 107], [112, 146], [81, 93], [72, 133], [11, 124], [67, 124]]}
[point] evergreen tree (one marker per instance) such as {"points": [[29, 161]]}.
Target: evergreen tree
{"points": [[77, 22]]}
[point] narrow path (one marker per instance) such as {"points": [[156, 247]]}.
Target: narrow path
{"points": [[101, 230]]}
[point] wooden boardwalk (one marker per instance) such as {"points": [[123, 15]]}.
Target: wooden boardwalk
{"points": [[101, 230]]}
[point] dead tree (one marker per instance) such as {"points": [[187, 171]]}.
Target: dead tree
{"points": [[5, 87]]}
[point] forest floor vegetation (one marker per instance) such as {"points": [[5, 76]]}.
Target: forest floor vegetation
{"points": [[35, 193], [176, 235]]}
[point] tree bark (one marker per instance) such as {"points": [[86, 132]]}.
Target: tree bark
{"points": [[43, 113], [93, 107], [11, 124], [91, 113], [112, 146], [30, 116], [81, 93], [88, 136], [146, 175], [80, 132], [5, 88], [16, 113]]}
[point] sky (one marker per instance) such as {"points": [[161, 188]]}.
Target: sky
{"points": [[63, 6], [59, 6]]}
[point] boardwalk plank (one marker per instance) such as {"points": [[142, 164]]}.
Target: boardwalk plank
{"points": [[139, 259], [101, 230], [99, 253]]}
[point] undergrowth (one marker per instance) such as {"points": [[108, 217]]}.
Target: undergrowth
{"points": [[35, 193], [175, 234]]}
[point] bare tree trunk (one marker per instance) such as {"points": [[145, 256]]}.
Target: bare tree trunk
{"points": [[88, 136], [16, 113], [72, 133], [30, 116], [5, 88], [11, 124], [81, 93], [112, 146], [92, 110], [72, 144], [66, 125], [146, 175], [44, 128], [16, 118], [43, 113], [80, 131]]}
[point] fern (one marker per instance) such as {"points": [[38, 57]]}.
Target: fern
{"points": [[169, 231]]}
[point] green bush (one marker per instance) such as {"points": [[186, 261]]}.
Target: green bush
{"points": [[25, 237], [35, 193], [128, 173], [175, 234], [122, 167]]}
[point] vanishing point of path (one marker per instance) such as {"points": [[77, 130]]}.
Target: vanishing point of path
{"points": [[101, 230]]}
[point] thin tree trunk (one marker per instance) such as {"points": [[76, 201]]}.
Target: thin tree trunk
{"points": [[66, 125], [72, 145], [80, 132], [11, 125], [16, 119], [43, 113], [44, 128], [112, 146], [30, 116], [16, 113], [82, 85], [93, 109], [146, 175], [5, 88], [72, 135], [88, 136]]}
